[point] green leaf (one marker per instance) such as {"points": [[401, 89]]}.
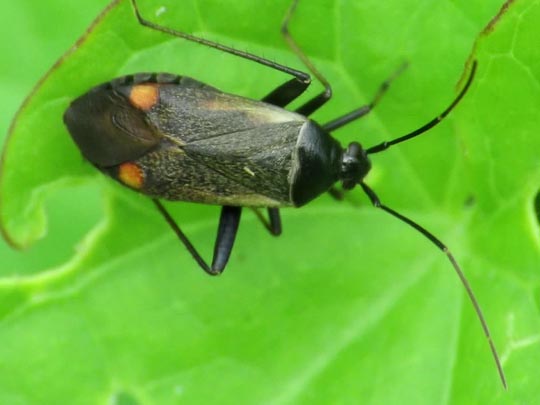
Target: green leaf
{"points": [[348, 305]]}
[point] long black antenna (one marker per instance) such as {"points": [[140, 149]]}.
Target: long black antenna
{"points": [[443, 248], [386, 144]]}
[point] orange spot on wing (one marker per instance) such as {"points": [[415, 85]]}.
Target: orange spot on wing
{"points": [[144, 96], [131, 175]]}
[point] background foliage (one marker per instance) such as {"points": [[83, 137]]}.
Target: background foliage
{"points": [[348, 305]]}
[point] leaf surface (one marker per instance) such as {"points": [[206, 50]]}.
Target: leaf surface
{"points": [[348, 305]]}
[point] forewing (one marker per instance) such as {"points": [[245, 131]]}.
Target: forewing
{"points": [[257, 158], [192, 111], [246, 141]]}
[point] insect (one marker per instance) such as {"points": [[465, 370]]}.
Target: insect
{"points": [[173, 137]]}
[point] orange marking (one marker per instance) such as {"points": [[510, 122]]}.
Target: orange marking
{"points": [[131, 175], [144, 96]]}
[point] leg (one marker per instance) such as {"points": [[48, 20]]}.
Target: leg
{"points": [[228, 227], [360, 112], [318, 101], [336, 193], [274, 224], [443, 248], [288, 92], [285, 93]]}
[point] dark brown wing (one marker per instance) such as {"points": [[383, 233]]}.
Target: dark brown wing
{"points": [[242, 143]]}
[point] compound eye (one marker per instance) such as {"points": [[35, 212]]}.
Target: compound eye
{"points": [[354, 149]]}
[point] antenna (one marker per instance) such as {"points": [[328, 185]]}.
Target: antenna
{"points": [[443, 248], [386, 144]]}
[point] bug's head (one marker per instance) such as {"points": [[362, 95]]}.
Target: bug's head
{"points": [[355, 165]]}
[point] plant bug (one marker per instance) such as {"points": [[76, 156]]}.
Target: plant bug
{"points": [[173, 137]]}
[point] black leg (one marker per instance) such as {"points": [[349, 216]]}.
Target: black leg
{"points": [[228, 227], [360, 112], [443, 248], [285, 93], [301, 79], [318, 101], [273, 225], [336, 193]]}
